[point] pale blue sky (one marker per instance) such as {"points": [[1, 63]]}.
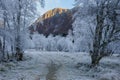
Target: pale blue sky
{"points": [[50, 4]]}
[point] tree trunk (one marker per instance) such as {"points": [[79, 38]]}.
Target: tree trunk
{"points": [[96, 53], [95, 60], [3, 47], [19, 54]]}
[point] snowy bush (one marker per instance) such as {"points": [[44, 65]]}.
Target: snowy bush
{"points": [[51, 43]]}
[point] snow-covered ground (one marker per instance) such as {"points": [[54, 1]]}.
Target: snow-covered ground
{"points": [[60, 66]]}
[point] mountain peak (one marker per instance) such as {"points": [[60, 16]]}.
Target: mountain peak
{"points": [[53, 12], [57, 21]]}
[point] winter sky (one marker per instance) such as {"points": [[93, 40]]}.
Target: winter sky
{"points": [[50, 4]]}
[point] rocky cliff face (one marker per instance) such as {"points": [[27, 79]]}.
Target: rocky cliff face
{"points": [[57, 22], [53, 12]]}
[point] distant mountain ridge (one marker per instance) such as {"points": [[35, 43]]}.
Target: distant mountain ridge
{"points": [[57, 21]]}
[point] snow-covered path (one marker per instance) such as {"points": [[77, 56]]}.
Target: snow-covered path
{"points": [[60, 66]]}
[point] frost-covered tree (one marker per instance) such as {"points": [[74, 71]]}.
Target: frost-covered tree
{"points": [[17, 16], [105, 22], [107, 28], [84, 25], [52, 43]]}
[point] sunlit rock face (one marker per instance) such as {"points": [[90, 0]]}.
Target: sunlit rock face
{"points": [[53, 12], [57, 22]]}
